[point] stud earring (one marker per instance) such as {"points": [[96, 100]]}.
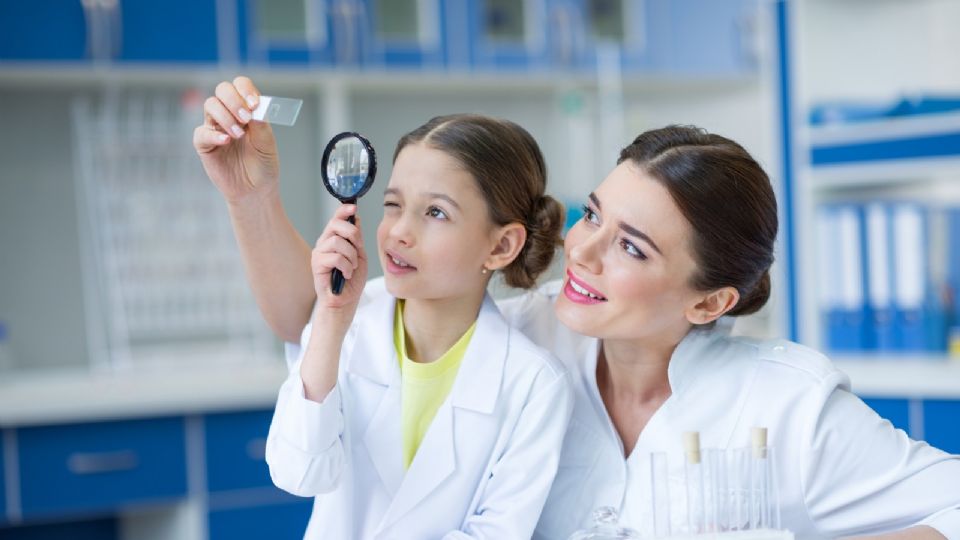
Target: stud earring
{"points": [[484, 271]]}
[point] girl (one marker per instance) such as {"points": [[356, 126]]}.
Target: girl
{"points": [[413, 410]]}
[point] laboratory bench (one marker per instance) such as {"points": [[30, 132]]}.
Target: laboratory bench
{"points": [[159, 453]]}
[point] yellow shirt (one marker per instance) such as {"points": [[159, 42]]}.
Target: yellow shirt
{"points": [[425, 386]]}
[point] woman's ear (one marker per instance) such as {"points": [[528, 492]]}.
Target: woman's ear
{"points": [[713, 305], [508, 241]]}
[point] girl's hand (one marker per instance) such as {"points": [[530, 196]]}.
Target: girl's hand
{"points": [[339, 246], [238, 154]]}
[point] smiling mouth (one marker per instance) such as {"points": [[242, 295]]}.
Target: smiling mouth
{"points": [[398, 262], [584, 292]]}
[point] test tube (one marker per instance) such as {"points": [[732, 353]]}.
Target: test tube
{"points": [[693, 476], [660, 496]]}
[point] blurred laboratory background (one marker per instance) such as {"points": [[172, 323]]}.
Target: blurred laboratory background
{"points": [[137, 378]]}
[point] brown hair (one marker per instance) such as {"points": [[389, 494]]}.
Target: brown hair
{"points": [[509, 169], [728, 200]]}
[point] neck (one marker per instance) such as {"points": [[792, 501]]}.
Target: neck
{"points": [[636, 371], [433, 326]]}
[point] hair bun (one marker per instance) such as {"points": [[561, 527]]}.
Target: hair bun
{"points": [[544, 225]]}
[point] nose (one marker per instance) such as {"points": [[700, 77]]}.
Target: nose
{"points": [[585, 248], [401, 230]]}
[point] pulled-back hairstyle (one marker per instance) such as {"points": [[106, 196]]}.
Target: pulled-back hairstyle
{"points": [[508, 167], [727, 198]]}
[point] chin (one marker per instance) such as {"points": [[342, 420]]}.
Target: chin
{"points": [[576, 317]]}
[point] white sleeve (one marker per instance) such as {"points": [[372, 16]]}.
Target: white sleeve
{"points": [[511, 501], [863, 476], [304, 445]]}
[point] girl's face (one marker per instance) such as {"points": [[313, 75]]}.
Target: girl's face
{"points": [[436, 234], [629, 262]]}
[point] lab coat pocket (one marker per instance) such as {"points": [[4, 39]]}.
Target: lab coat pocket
{"points": [[570, 496]]}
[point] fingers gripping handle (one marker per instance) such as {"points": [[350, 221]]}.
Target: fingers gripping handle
{"points": [[336, 277]]}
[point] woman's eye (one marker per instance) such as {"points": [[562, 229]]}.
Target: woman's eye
{"points": [[435, 212], [590, 216], [633, 250]]}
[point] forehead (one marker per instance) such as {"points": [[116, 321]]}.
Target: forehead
{"points": [[421, 168], [631, 195]]}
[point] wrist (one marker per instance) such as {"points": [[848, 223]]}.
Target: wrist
{"points": [[264, 198]]}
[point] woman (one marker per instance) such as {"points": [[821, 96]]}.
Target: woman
{"points": [[680, 234], [413, 410]]}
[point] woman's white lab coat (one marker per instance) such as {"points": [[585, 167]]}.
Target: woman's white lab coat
{"points": [[841, 469], [484, 467]]}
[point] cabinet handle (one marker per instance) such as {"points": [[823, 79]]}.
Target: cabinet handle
{"points": [[83, 463], [257, 449]]}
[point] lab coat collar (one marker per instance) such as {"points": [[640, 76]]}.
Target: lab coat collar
{"points": [[690, 355], [476, 388]]}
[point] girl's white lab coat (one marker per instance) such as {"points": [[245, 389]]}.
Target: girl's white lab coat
{"points": [[484, 467], [841, 469]]}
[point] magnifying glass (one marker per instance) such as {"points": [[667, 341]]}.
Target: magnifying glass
{"points": [[348, 167]]}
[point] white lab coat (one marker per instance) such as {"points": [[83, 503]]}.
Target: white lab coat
{"points": [[841, 469], [484, 467]]}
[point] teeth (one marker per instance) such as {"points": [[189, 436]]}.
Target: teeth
{"points": [[398, 262], [582, 291]]}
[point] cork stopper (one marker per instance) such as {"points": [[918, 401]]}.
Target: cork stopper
{"points": [[758, 442], [691, 446]]}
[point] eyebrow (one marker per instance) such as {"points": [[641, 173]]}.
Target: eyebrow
{"points": [[396, 192], [633, 231]]}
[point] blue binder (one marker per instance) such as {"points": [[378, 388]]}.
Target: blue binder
{"points": [[840, 234], [911, 278], [879, 277]]}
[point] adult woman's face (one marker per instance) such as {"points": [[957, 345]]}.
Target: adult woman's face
{"points": [[629, 262]]}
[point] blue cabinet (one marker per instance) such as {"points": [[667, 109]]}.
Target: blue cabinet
{"points": [[177, 31], [941, 424], [174, 31], [50, 30], [896, 410], [285, 521], [406, 34], [100, 466]]}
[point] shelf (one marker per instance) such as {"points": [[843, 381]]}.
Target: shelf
{"points": [[904, 376], [31, 75], [884, 151]]}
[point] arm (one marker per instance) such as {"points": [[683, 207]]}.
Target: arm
{"points": [[240, 157], [305, 443], [511, 501], [864, 477]]}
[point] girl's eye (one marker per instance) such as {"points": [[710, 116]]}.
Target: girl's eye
{"points": [[436, 212], [632, 250], [590, 216], [390, 204]]}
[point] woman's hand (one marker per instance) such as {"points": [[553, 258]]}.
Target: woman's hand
{"points": [[340, 246], [238, 154]]}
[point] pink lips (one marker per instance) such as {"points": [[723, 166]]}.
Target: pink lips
{"points": [[578, 297], [396, 269]]}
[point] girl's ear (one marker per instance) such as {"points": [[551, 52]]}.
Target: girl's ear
{"points": [[508, 241], [712, 306]]}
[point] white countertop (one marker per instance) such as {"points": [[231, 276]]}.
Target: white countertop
{"points": [[62, 396]]}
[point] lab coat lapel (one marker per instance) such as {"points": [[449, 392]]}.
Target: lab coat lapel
{"points": [[375, 359], [476, 388]]}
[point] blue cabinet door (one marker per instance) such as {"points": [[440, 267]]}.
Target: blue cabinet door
{"points": [[3, 484], [97, 529], [286, 521], [100, 466], [176, 31], [941, 424], [235, 445], [703, 37], [896, 410], [49, 30], [405, 34], [299, 33]]}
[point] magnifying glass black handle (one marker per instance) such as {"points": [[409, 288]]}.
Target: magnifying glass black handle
{"points": [[336, 277]]}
